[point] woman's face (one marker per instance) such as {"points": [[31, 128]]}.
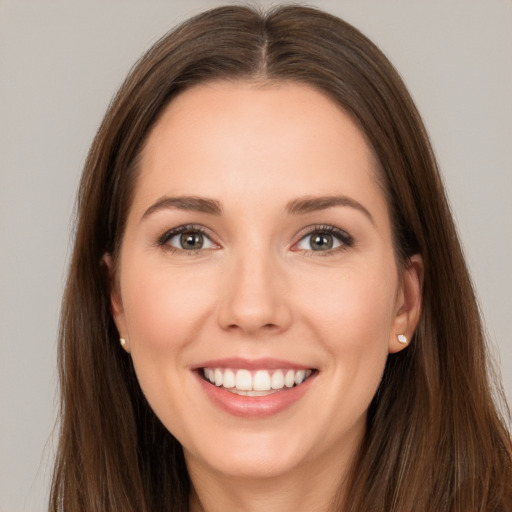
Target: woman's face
{"points": [[258, 254]]}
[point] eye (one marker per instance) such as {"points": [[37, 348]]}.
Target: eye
{"points": [[187, 238], [324, 239]]}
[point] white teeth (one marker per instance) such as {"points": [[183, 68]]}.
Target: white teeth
{"points": [[258, 383], [261, 381], [299, 376], [277, 380], [243, 380], [229, 379], [251, 393]]}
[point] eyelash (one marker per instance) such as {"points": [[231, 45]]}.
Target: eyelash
{"points": [[346, 241], [163, 240]]}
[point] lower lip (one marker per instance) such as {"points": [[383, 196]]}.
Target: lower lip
{"points": [[255, 406]]}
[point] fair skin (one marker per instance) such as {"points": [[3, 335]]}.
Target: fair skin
{"points": [[266, 278]]}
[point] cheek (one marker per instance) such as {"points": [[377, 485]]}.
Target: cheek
{"points": [[160, 303], [352, 314], [164, 309], [358, 310], [354, 305]]}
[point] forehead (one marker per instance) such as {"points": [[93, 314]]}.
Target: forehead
{"points": [[252, 138]]}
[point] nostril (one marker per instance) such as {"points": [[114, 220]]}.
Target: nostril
{"points": [[252, 311]]}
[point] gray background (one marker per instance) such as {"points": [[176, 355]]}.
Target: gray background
{"points": [[60, 63]]}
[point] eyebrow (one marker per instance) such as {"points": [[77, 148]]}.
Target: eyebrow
{"points": [[187, 203], [312, 204], [299, 206]]}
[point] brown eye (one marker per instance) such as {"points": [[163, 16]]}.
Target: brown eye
{"points": [[191, 241]]}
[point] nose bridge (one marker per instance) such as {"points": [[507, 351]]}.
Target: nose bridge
{"points": [[255, 294]]}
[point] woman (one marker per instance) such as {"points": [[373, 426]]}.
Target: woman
{"points": [[268, 307]]}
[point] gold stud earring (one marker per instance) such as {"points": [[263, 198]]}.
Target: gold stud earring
{"points": [[402, 339]]}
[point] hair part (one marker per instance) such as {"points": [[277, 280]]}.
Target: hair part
{"points": [[435, 439]]}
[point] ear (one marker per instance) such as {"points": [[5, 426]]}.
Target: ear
{"points": [[408, 304], [116, 304]]}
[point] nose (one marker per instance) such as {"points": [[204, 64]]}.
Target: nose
{"points": [[255, 298]]}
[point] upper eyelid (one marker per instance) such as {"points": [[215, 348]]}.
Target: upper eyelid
{"points": [[300, 235], [308, 230], [170, 233], [346, 239]]}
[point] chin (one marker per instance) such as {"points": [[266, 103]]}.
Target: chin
{"points": [[250, 456]]}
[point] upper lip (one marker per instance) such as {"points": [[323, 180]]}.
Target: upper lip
{"points": [[265, 363]]}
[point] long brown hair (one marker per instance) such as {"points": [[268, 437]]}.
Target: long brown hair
{"points": [[435, 439]]}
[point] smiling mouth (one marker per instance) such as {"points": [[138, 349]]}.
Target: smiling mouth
{"points": [[255, 383]]}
